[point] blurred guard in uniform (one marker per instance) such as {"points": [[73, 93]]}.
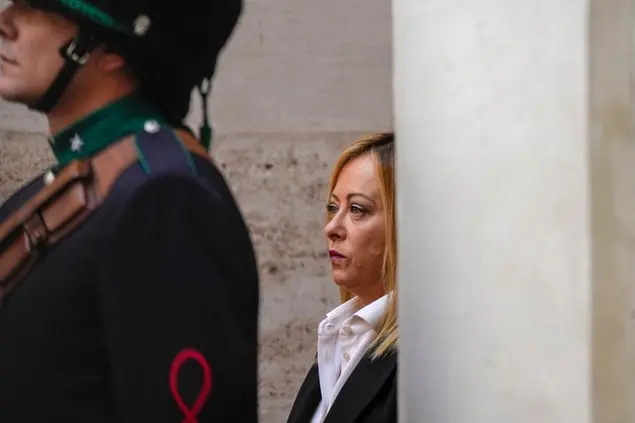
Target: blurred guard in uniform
{"points": [[128, 283]]}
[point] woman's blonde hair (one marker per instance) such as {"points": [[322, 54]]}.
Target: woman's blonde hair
{"points": [[381, 148]]}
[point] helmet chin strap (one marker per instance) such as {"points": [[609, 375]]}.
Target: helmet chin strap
{"points": [[75, 53]]}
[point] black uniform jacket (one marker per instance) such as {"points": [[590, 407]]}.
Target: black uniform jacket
{"points": [[368, 396], [147, 312]]}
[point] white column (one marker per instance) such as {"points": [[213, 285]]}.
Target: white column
{"points": [[516, 208]]}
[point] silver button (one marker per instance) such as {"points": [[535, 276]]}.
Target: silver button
{"points": [[49, 177], [347, 356], [141, 25], [151, 126]]}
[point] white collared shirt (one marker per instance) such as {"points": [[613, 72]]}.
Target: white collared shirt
{"points": [[343, 339]]}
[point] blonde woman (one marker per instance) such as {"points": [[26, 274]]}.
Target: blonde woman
{"points": [[354, 378]]}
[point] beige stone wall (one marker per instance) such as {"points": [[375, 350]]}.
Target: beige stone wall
{"points": [[612, 130], [299, 81]]}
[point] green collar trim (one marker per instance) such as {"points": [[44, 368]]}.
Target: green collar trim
{"points": [[88, 136]]}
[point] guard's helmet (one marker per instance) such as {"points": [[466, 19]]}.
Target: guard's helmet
{"points": [[171, 46]]}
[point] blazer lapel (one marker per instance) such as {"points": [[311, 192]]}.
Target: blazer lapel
{"points": [[361, 387], [308, 398]]}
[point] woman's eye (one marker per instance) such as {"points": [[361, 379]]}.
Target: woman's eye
{"points": [[331, 208], [357, 209]]}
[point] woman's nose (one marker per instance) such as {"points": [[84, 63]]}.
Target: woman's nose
{"points": [[334, 229]]}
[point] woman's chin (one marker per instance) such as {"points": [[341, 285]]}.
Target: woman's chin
{"points": [[340, 279]]}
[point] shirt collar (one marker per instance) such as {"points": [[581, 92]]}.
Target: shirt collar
{"points": [[342, 312], [372, 313]]}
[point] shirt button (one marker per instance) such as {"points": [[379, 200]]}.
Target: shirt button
{"points": [[347, 356], [347, 331]]}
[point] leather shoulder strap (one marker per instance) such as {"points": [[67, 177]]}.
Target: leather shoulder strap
{"points": [[66, 201]]}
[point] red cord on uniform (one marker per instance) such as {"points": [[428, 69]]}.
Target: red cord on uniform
{"points": [[179, 360]]}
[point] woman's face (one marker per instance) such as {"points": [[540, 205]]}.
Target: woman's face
{"points": [[356, 230]]}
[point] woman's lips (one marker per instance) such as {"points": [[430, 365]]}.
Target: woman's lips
{"points": [[336, 255]]}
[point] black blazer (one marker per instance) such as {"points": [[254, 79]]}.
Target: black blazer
{"points": [[368, 396]]}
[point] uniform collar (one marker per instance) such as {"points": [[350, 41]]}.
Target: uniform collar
{"points": [[90, 135]]}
